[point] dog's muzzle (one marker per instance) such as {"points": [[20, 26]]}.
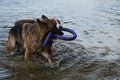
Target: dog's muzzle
{"points": [[56, 31]]}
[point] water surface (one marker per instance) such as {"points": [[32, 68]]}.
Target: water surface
{"points": [[94, 55]]}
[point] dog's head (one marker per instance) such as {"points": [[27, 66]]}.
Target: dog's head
{"points": [[52, 25]]}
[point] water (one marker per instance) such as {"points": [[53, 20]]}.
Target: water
{"points": [[94, 55]]}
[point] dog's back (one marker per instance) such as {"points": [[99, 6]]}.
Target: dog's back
{"points": [[24, 21]]}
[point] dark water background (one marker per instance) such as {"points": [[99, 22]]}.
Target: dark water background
{"points": [[94, 55]]}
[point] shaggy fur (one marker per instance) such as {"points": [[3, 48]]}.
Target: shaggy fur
{"points": [[15, 32], [31, 35]]}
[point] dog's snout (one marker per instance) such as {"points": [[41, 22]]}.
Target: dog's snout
{"points": [[60, 27], [56, 31]]}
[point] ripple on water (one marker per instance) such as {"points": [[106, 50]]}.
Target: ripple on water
{"points": [[96, 24], [65, 55], [4, 72]]}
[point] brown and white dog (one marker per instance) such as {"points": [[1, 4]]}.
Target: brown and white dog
{"points": [[31, 34]]}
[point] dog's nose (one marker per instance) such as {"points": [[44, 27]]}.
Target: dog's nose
{"points": [[59, 32], [60, 27]]}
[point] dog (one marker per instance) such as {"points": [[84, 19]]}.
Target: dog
{"points": [[31, 34]]}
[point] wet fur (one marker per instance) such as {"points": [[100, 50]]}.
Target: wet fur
{"points": [[31, 35], [15, 32]]}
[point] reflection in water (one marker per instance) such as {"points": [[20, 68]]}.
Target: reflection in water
{"points": [[96, 23]]}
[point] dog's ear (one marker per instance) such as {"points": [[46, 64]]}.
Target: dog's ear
{"points": [[44, 17], [41, 23]]}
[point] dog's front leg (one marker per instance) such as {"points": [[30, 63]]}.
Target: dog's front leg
{"points": [[27, 51], [47, 56], [27, 55]]}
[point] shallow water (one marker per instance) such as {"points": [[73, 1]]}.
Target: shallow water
{"points": [[94, 55]]}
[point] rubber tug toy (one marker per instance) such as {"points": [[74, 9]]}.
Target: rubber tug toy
{"points": [[62, 37]]}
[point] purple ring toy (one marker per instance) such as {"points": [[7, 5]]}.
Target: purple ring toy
{"points": [[67, 38]]}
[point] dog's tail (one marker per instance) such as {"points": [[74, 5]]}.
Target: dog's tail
{"points": [[11, 42]]}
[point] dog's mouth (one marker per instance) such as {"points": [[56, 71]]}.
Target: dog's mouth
{"points": [[56, 31]]}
